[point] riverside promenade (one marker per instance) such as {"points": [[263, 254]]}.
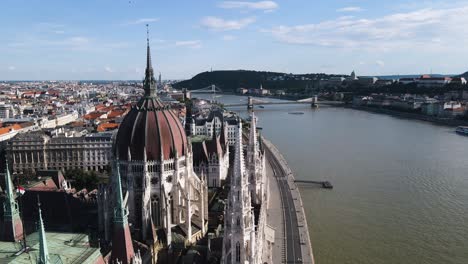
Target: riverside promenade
{"points": [[285, 211]]}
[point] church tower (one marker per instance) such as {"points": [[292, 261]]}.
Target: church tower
{"points": [[12, 227], [239, 236]]}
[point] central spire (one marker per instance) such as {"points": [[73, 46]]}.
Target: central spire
{"points": [[149, 84]]}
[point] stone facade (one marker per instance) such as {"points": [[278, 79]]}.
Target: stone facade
{"points": [[211, 158], [38, 151], [214, 122]]}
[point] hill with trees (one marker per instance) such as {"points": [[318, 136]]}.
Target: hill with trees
{"points": [[464, 75], [230, 81]]}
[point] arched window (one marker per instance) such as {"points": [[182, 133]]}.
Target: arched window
{"points": [[238, 252], [238, 221]]}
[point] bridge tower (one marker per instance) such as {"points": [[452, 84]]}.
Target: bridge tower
{"points": [[313, 102], [250, 103]]}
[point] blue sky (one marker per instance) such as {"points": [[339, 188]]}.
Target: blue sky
{"points": [[105, 39]]}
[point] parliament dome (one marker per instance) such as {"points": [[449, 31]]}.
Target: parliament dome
{"points": [[150, 127]]}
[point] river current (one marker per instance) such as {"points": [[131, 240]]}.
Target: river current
{"points": [[400, 186]]}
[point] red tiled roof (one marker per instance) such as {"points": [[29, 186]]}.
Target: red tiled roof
{"points": [[107, 126], [93, 115]]}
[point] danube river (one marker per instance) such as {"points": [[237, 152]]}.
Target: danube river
{"points": [[400, 186]]}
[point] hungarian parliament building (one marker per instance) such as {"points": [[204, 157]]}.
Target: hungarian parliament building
{"points": [[157, 201]]}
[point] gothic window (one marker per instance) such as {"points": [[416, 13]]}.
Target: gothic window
{"points": [[154, 180], [155, 211], [172, 210], [169, 178], [237, 252], [238, 221]]}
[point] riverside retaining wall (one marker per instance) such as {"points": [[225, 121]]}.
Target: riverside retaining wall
{"points": [[306, 245]]}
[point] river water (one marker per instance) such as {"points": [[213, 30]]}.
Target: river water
{"points": [[400, 186]]}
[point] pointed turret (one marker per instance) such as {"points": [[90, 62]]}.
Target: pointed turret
{"points": [[43, 249], [239, 164], [223, 136], [122, 246], [253, 140], [149, 84], [12, 229], [254, 162]]}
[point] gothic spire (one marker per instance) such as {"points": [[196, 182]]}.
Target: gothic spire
{"points": [[120, 214], [10, 203], [122, 245], [12, 228], [43, 249], [149, 84], [253, 140], [239, 165]]}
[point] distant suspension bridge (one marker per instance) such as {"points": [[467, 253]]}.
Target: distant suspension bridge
{"points": [[251, 101]]}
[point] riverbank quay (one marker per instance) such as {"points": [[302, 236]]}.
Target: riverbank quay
{"points": [[297, 244], [421, 117]]}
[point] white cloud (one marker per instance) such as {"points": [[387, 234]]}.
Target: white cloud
{"points": [[195, 44], [108, 69], [380, 63], [142, 21], [47, 27], [11, 68], [350, 9], [77, 41], [261, 5], [228, 37], [427, 29], [219, 24]]}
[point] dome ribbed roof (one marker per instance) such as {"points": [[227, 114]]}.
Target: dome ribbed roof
{"points": [[152, 125]]}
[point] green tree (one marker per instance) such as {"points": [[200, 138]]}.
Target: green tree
{"points": [[82, 179]]}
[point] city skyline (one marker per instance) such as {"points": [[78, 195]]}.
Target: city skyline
{"points": [[103, 39]]}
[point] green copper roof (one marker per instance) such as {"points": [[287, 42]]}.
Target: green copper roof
{"points": [[10, 205], [66, 248], [120, 213]]}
